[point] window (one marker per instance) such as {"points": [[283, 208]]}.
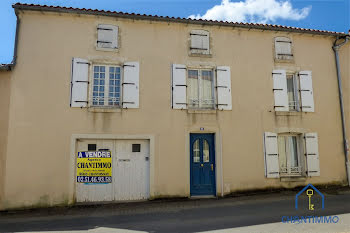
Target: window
{"points": [[200, 89], [293, 93], [199, 42], [136, 147], [289, 154], [283, 48], [107, 36], [91, 147], [106, 85]]}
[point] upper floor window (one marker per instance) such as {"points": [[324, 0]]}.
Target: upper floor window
{"points": [[106, 89], [293, 91], [200, 42], [283, 48], [104, 85], [200, 89], [107, 37]]}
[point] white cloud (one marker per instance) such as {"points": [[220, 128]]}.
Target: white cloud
{"points": [[259, 11]]}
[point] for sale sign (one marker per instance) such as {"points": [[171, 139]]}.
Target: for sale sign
{"points": [[94, 167]]}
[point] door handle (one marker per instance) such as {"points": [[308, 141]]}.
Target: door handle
{"points": [[212, 167]]}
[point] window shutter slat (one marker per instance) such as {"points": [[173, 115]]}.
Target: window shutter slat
{"points": [[79, 83], [306, 91], [280, 90], [107, 36], [312, 157], [223, 87], [179, 87], [131, 85], [271, 155]]}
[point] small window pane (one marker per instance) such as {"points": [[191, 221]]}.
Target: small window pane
{"points": [[206, 154], [136, 147], [196, 156]]}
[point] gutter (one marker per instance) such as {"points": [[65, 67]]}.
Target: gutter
{"points": [[167, 19], [336, 46], [9, 67]]}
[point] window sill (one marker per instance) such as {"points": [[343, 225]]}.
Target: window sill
{"points": [[107, 49], [192, 54], [104, 109], [207, 111], [293, 178], [294, 113], [278, 60]]}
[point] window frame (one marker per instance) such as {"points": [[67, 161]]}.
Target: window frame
{"points": [[214, 92], [300, 152], [106, 87]]}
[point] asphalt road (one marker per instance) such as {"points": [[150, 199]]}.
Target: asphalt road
{"points": [[174, 216]]}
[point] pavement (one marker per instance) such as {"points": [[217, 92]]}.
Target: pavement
{"points": [[267, 212]]}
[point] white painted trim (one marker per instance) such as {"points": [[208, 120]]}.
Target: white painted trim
{"points": [[75, 137]]}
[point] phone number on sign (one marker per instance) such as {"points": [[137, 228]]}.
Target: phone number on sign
{"points": [[94, 179]]}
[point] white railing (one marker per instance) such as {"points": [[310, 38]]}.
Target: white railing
{"points": [[290, 171], [203, 103], [111, 101]]}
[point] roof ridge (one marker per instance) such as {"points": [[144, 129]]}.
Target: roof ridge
{"points": [[227, 23]]}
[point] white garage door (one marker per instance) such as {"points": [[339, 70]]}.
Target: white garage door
{"points": [[130, 171]]}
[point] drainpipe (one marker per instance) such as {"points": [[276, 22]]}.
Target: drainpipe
{"points": [[336, 47], [14, 60]]}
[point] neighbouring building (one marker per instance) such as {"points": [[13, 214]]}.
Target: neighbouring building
{"points": [[165, 107]]}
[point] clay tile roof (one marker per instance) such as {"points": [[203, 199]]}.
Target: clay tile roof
{"points": [[34, 7]]}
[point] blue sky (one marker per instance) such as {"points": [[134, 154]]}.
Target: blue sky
{"points": [[330, 15]]}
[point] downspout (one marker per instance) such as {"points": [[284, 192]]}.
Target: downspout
{"points": [[14, 60], [336, 48]]}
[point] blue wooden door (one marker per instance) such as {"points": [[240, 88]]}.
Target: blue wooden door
{"points": [[202, 164]]}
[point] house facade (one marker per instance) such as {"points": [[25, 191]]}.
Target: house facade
{"points": [[156, 107]]}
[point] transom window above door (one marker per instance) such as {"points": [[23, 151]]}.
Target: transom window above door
{"points": [[200, 89], [106, 85]]}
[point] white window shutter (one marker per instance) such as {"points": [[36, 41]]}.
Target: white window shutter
{"points": [[223, 87], [131, 85], [283, 48], [179, 87], [200, 41], [306, 91], [272, 169], [107, 36], [79, 83], [312, 158], [280, 90]]}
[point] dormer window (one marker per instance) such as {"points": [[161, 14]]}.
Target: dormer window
{"points": [[283, 48], [199, 42]]}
